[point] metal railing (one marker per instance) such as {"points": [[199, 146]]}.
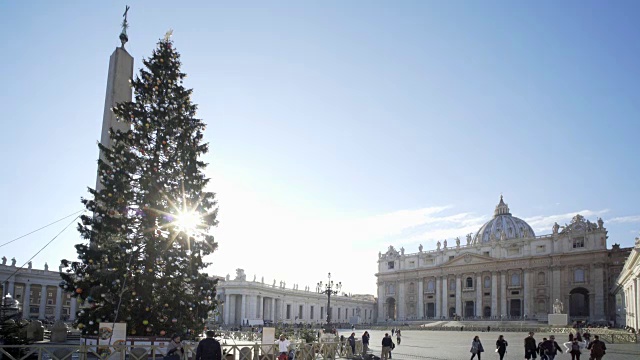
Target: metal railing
{"points": [[303, 351]]}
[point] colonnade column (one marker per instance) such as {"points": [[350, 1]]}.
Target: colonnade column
{"points": [[43, 301], [11, 288], [420, 298], [503, 294], [438, 298], [494, 294], [458, 295], [243, 308], [445, 297], [273, 309], [26, 303], [479, 295], [526, 284], [73, 309], [59, 300], [225, 310]]}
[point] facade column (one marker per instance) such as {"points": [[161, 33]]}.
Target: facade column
{"points": [[526, 285], [381, 299], [458, 295], [420, 298], [445, 298], [636, 303], [503, 294], [401, 302], [59, 300], [243, 308], [479, 311], [599, 287], [26, 302], [73, 309], [438, 297], [555, 288], [43, 301], [494, 295]]}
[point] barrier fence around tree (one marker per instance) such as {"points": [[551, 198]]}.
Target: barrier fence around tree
{"points": [[303, 351]]}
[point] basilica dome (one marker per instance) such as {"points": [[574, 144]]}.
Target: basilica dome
{"points": [[503, 226]]}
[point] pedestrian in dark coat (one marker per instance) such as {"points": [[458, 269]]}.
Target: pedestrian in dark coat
{"points": [[501, 346], [209, 348]]}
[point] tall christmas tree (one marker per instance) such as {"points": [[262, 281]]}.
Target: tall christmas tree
{"points": [[147, 234]]}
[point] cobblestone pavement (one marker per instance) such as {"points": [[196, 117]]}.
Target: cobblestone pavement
{"points": [[455, 345]]}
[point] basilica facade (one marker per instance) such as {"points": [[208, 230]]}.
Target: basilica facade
{"points": [[504, 271]]}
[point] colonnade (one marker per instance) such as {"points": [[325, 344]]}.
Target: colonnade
{"points": [[299, 308]]}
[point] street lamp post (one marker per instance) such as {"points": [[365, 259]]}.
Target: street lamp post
{"points": [[329, 289]]}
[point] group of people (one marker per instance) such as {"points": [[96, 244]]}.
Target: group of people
{"points": [[208, 348], [549, 348]]}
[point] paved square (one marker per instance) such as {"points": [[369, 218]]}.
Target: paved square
{"points": [[455, 345]]}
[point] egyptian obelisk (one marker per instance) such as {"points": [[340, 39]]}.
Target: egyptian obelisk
{"points": [[118, 89]]}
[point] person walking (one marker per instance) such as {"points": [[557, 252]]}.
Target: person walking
{"points": [[575, 350], [597, 348], [209, 348], [476, 347], [551, 348], [387, 344], [365, 342], [352, 343], [501, 346], [398, 336], [530, 347]]}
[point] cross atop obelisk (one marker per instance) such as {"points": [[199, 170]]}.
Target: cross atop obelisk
{"points": [[125, 25], [118, 89]]}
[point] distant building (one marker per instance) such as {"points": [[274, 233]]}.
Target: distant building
{"points": [[38, 293], [627, 291], [504, 271]]}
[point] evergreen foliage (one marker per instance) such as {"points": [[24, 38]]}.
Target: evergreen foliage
{"points": [[147, 234]]}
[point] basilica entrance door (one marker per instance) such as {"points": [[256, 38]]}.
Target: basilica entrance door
{"points": [[431, 310], [515, 308], [391, 308], [469, 309], [579, 302]]}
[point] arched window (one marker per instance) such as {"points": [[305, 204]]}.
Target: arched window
{"points": [[515, 279], [430, 285], [469, 282], [487, 282], [578, 276], [452, 284], [412, 288], [541, 278]]}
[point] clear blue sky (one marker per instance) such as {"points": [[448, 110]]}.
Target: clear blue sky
{"points": [[339, 128]]}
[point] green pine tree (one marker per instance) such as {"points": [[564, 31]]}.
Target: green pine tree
{"points": [[147, 234]]}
